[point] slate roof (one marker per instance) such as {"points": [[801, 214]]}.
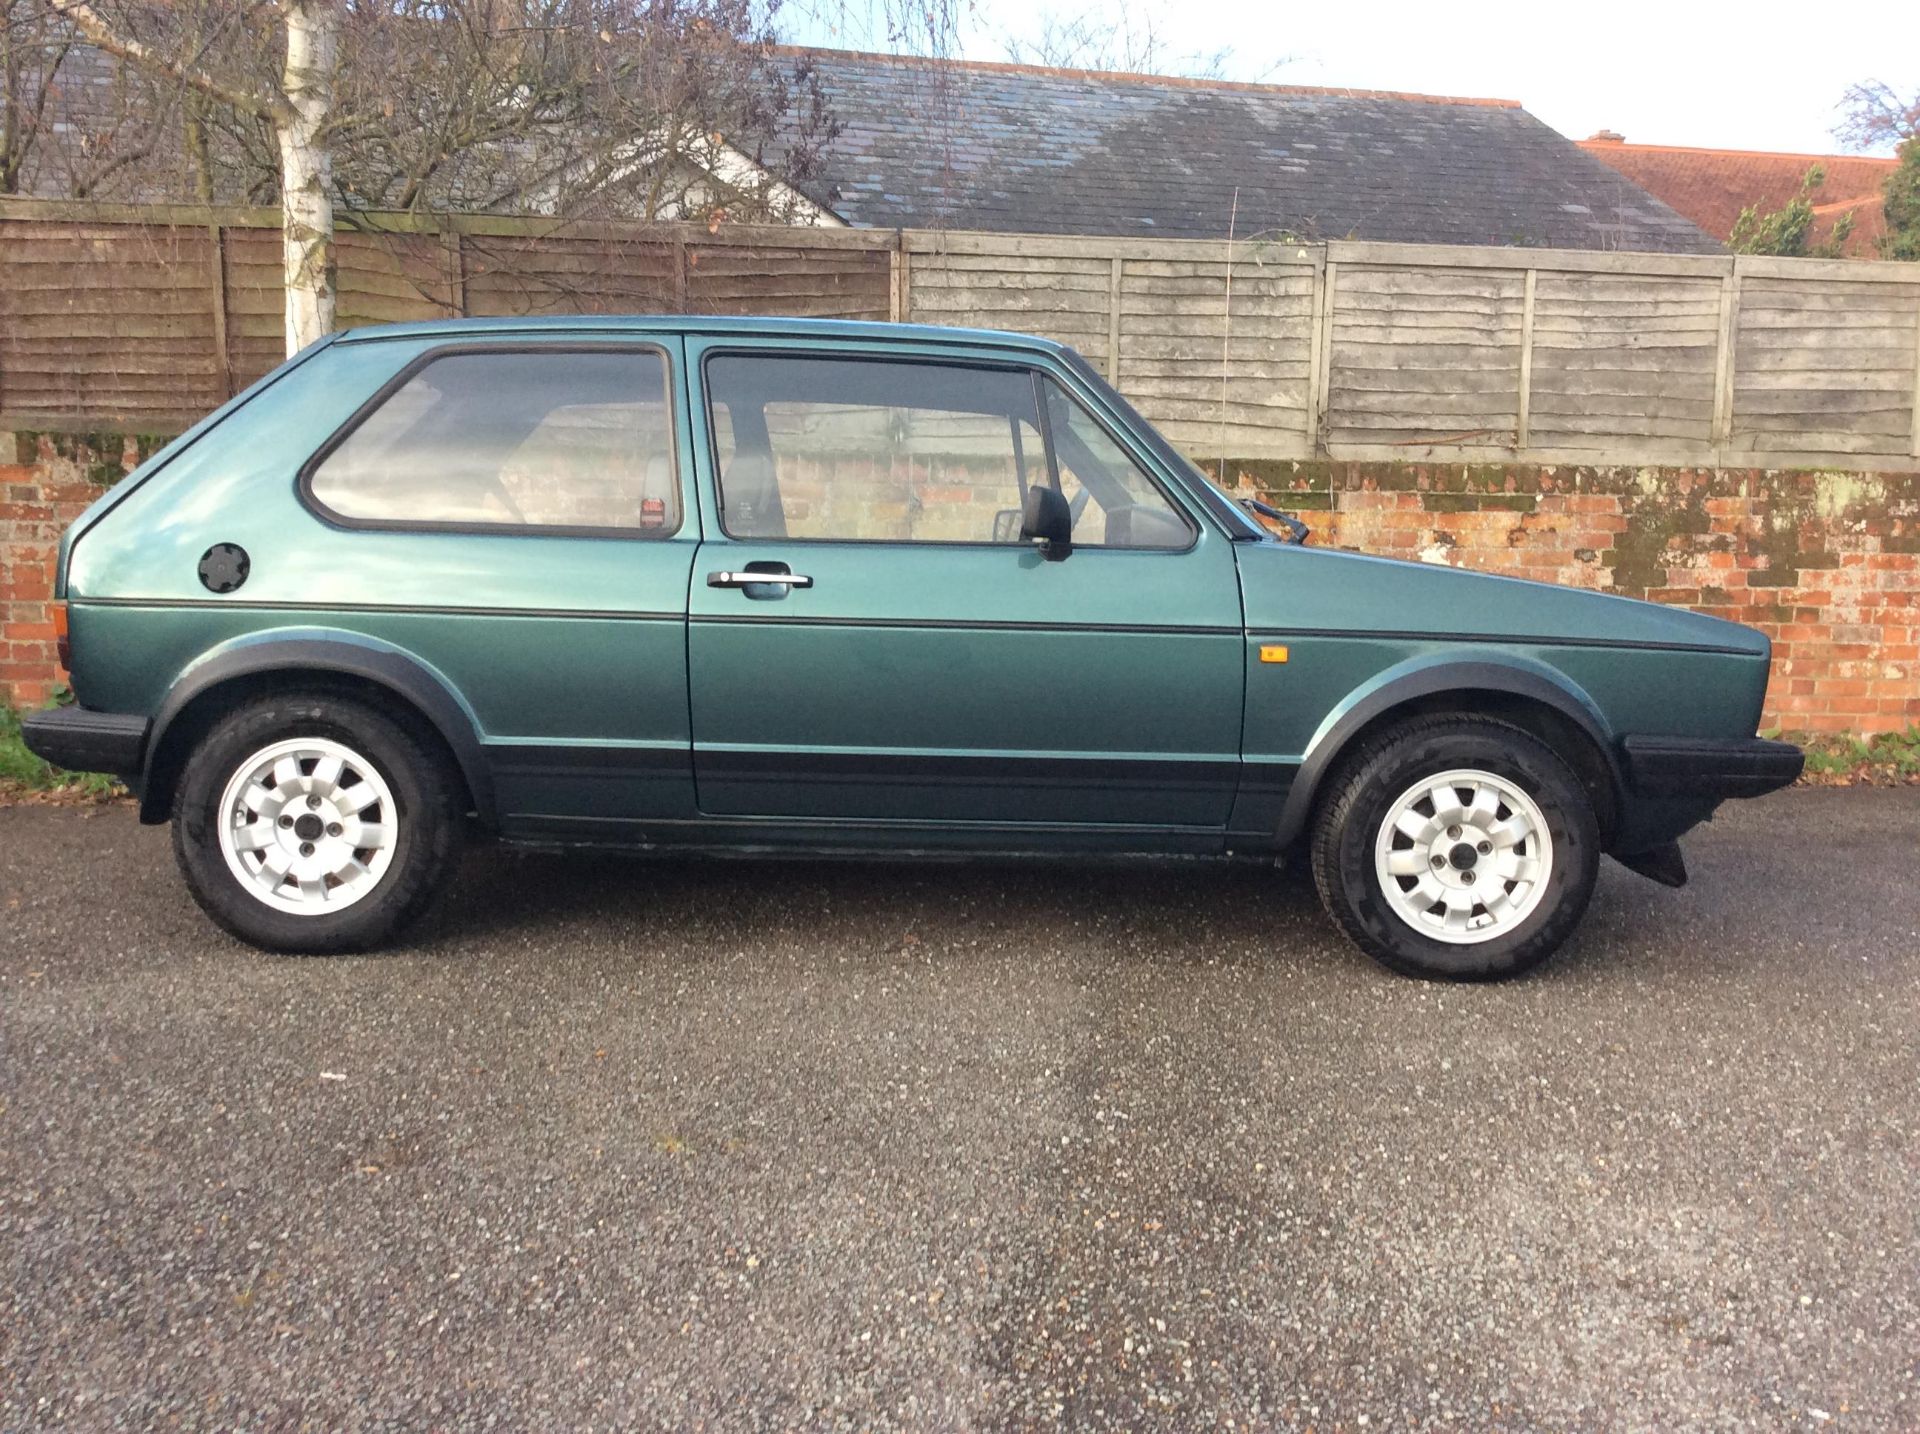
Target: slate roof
{"points": [[967, 145], [1712, 186]]}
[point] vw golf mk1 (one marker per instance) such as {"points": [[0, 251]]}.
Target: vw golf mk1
{"points": [[839, 587]]}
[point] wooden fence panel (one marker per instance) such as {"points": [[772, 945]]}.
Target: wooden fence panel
{"points": [[1615, 349], [145, 318], [1057, 296], [1425, 356], [1825, 365], [113, 321], [256, 321], [392, 279], [1222, 388], [791, 280], [516, 275]]}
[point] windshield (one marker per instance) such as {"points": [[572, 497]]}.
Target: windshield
{"points": [[1242, 525]]}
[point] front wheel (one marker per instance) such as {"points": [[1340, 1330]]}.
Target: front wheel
{"points": [[315, 823], [1457, 849]]}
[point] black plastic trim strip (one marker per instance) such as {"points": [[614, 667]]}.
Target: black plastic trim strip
{"points": [[719, 822], [551, 758], [82, 740], [1710, 766], [995, 768]]}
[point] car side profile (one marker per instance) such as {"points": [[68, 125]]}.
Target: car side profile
{"points": [[836, 587]]}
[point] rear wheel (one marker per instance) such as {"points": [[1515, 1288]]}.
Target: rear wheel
{"points": [[1456, 848], [315, 823]]}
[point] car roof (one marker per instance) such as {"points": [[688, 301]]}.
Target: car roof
{"points": [[698, 324]]}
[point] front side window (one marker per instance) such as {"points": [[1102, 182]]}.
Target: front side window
{"points": [[547, 439], [869, 450], [865, 451], [1113, 502]]}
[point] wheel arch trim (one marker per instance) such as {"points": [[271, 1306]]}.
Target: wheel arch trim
{"points": [[1438, 675], [294, 652]]}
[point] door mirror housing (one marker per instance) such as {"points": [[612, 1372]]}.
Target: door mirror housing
{"points": [[1047, 522]]}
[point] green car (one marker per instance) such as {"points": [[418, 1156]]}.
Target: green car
{"points": [[759, 584]]}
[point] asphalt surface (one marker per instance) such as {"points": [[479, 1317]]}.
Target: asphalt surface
{"points": [[626, 1143]]}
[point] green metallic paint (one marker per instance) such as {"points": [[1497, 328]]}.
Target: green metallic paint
{"points": [[926, 695], [546, 639], [959, 709], [1633, 666], [170, 452]]}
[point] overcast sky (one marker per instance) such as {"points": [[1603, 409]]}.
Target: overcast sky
{"points": [[1753, 75]]}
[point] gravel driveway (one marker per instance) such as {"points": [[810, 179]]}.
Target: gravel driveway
{"points": [[676, 1144]]}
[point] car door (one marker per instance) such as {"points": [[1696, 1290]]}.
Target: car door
{"points": [[870, 640]]}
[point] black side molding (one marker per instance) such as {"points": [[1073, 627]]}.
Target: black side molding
{"points": [[85, 741], [1710, 766]]}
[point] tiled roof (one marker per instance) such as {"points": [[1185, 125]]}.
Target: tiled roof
{"points": [[1014, 147], [1712, 186]]}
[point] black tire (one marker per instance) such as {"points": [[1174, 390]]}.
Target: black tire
{"points": [[1362, 794], [426, 789]]}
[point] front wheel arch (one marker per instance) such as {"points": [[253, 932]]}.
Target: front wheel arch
{"points": [[1518, 696]]}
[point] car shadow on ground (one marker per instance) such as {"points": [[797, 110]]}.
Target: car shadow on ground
{"points": [[503, 887], [1159, 910]]}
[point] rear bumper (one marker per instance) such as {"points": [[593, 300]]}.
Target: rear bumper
{"points": [[1712, 767], [85, 741]]}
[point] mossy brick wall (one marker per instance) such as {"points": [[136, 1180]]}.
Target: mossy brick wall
{"points": [[46, 481], [1826, 563]]}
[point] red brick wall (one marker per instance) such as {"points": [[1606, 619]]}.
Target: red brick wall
{"points": [[46, 481], [1826, 563]]}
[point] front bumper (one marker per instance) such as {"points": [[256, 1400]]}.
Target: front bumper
{"points": [[1710, 767], [85, 741]]}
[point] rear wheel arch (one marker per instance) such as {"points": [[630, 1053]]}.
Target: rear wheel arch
{"points": [[1517, 696], [403, 687]]}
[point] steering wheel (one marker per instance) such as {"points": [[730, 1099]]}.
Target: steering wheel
{"points": [[1078, 505]]}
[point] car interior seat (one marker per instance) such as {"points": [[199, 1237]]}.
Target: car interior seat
{"points": [[750, 497]]}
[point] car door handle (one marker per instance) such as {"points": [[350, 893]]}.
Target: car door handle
{"points": [[724, 579]]}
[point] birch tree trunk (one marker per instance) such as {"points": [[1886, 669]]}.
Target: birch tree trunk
{"points": [[306, 169]]}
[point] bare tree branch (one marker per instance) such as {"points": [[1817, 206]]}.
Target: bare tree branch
{"points": [[1874, 114], [1131, 41], [135, 52]]}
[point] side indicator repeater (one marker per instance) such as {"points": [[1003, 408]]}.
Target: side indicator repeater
{"points": [[1274, 652]]}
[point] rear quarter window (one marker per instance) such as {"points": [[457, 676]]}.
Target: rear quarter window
{"points": [[552, 439]]}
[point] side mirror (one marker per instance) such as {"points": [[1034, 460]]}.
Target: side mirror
{"points": [[1047, 522]]}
